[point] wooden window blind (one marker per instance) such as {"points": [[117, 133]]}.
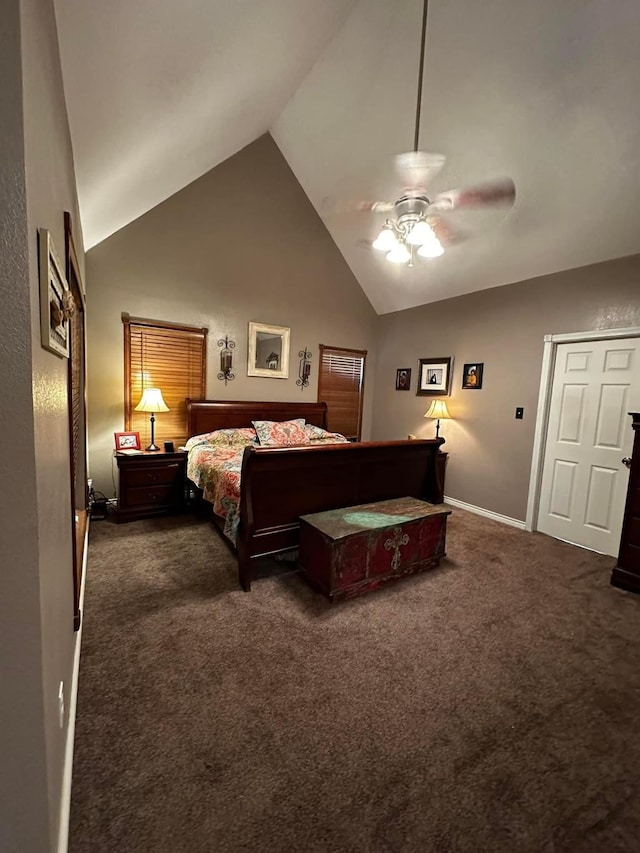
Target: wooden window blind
{"points": [[171, 358], [341, 387]]}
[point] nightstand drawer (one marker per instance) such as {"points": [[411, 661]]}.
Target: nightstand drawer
{"points": [[147, 475], [152, 496]]}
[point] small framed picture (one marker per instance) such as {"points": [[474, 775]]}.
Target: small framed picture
{"points": [[403, 378], [56, 300], [472, 375], [434, 377], [127, 440]]}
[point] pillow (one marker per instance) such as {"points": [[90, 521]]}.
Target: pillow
{"points": [[236, 437], [317, 434], [241, 435], [280, 433]]}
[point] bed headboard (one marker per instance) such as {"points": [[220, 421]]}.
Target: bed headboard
{"points": [[207, 415]]}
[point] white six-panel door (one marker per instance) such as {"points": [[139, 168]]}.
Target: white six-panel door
{"points": [[584, 482]]}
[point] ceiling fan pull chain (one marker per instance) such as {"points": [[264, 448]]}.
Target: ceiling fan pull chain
{"points": [[416, 137]]}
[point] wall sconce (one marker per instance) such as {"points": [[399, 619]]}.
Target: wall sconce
{"points": [[304, 371], [226, 359]]}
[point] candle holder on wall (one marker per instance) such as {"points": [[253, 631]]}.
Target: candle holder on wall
{"points": [[226, 359], [304, 371]]}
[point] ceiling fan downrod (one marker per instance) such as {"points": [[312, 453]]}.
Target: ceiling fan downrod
{"points": [[423, 41]]}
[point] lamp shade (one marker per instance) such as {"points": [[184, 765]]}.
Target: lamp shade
{"points": [[420, 233], [385, 241], [398, 255], [437, 409], [151, 401]]}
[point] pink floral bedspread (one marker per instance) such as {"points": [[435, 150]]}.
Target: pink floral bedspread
{"points": [[216, 470]]}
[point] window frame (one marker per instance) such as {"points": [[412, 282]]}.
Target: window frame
{"points": [[128, 321]]}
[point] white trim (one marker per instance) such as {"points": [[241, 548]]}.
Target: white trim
{"points": [[544, 398], [67, 773], [487, 513], [540, 434], [597, 335]]}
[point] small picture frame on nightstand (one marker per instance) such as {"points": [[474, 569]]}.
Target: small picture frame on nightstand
{"points": [[127, 440]]}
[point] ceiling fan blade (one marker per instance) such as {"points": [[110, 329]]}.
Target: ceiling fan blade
{"points": [[446, 233], [416, 169], [373, 206], [496, 193], [358, 206]]}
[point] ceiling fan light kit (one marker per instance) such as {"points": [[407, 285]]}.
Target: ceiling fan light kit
{"points": [[410, 231], [399, 254], [418, 226]]}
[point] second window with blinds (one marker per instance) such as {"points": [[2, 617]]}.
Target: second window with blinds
{"points": [[169, 357], [341, 387]]}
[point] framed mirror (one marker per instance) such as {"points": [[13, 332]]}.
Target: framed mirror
{"points": [[268, 351]]}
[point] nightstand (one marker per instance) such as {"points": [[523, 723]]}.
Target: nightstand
{"points": [[150, 483], [441, 467]]}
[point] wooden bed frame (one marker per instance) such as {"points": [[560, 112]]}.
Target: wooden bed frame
{"points": [[281, 484]]}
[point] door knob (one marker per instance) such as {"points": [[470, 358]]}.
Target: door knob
{"points": [[627, 461]]}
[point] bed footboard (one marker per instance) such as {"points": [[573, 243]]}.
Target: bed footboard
{"points": [[281, 484]]}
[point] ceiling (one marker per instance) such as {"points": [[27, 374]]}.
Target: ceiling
{"points": [[540, 91]]}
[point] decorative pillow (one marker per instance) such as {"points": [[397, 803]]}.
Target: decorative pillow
{"points": [[224, 438], [317, 434], [280, 433], [241, 435]]}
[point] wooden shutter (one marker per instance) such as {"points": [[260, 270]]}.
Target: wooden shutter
{"points": [[171, 358], [341, 387]]}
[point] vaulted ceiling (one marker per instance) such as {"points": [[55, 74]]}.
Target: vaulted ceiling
{"points": [[158, 93]]}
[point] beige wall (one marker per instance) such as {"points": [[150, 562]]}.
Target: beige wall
{"points": [[36, 600], [490, 451], [23, 780], [241, 243]]}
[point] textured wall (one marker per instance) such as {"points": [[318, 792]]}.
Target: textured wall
{"points": [[36, 619], [242, 243], [24, 808], [490, 451]]}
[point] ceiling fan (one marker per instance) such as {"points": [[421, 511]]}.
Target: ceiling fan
{"points": [[419, 224]]}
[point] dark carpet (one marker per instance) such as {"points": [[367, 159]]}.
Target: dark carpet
{"points": [[492, 704]]}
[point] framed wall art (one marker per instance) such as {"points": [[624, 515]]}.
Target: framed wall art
{"points": [[56, 300], [434, 377], [268, 351], [403, 378], [472, 375]]}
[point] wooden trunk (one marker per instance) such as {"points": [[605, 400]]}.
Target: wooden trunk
{"points": [[345, 552]]}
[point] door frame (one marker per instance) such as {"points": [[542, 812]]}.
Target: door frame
{"points": [[79, 497], [544, 401]]}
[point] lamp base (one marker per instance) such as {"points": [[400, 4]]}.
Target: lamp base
{"points": [[152, 447]]}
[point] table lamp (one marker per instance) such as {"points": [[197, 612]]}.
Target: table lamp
{"points": [[152, 401], [437, 409]]}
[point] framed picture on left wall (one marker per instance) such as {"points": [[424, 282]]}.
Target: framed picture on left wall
{"points": [[56, 300]]}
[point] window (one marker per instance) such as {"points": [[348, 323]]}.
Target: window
{"points": [[165, 356], [341, 387]]}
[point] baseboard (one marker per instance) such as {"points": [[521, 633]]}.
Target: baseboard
{"points": [[67, 773], [487, 513]]}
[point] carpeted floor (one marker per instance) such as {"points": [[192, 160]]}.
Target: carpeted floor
{"points": [[490, 705]]}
